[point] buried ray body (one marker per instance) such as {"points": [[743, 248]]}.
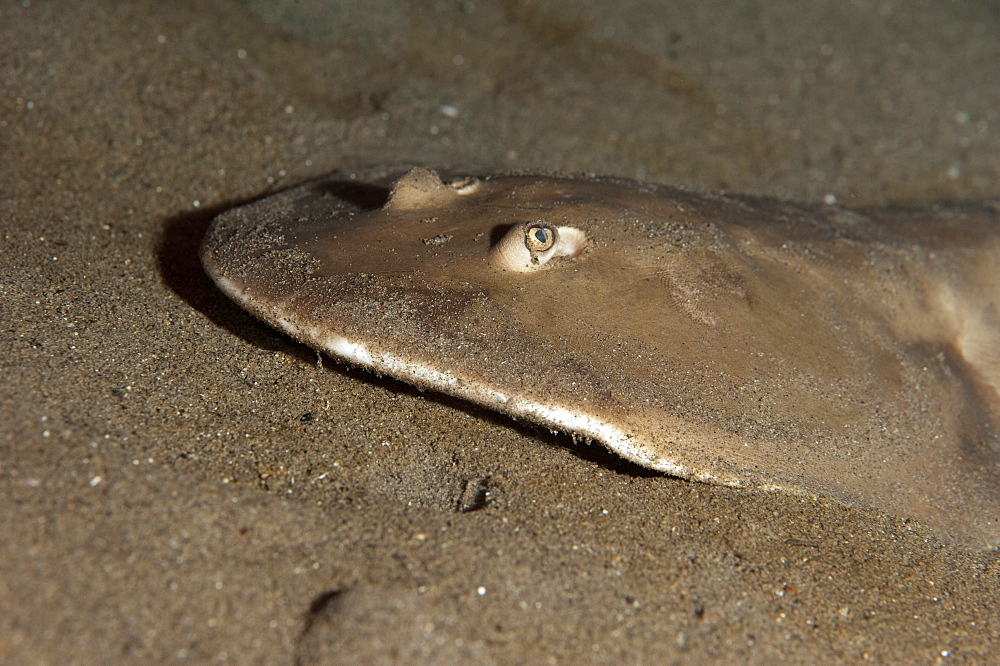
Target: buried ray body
{"points": [[734, 340]]}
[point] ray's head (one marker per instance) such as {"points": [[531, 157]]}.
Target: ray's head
{"points": [[524, 246]]}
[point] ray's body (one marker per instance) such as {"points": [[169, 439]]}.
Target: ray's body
{"points": [[734, 340]]}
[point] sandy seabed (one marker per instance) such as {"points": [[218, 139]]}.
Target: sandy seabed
{"points": [[180, 482]]}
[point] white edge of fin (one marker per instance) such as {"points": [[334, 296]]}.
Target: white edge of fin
{"points": [[550, 415]]}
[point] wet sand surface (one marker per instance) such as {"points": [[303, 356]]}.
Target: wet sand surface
{"points": [[180, 482]]}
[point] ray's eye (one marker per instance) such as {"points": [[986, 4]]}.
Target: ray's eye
{"points": [[464, 186], [529, 246], [539, 237]]}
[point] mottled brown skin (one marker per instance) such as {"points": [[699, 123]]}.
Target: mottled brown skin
{"points": [[722, 338]]}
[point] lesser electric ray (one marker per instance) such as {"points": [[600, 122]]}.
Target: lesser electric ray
{"points": [[729, 339]]}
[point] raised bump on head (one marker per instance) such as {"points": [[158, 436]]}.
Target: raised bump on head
{"points": [[417, 189]]}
